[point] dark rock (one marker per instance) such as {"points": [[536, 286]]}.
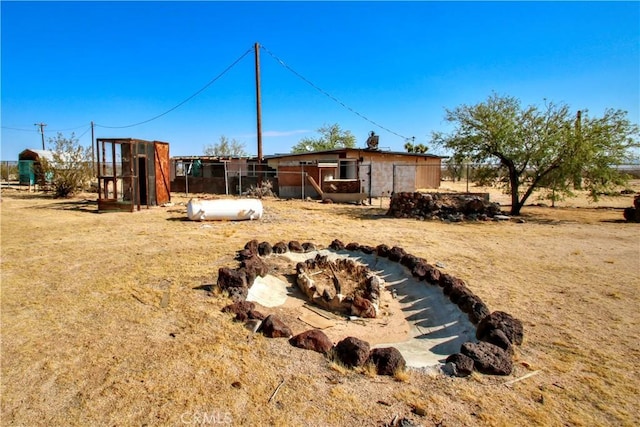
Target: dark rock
{"points": [[265, 249], [280, 248], [479, 311], [463, 364], [352, 246], [254, 267], [433, 275], [308, 247], [466, 302], [488, 358], [231, 278], [447, 282], [396, 253], [499, 338], [238, 293], [631, 214], [336, 245], [458, 291], [240, 308], [420, 270], [474, 206], [410, 261], [244, 254], [363, 308], [508, 324], [273, 327], [252, 246], [387, 360], [313, 339], [383, 250], [367, 249], [295, 246], [352, 352]]}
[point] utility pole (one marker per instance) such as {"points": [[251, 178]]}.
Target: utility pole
{"points": [[258, 112], [258, 101], [41, 125]]}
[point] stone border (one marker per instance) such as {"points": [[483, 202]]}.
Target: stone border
{"points": [[497, 332]]}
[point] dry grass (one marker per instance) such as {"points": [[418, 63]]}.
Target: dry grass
{"points": [[101, 324]]}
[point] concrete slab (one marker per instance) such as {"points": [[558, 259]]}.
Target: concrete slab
{"points": [[268, 291]]}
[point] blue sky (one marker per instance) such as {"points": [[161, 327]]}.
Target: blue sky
{"points": [[398, 64]]}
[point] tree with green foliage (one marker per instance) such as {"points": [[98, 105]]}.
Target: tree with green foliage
{"points": [[542, 148], [331, 137], [226, 148], [415, 148], [70, 169]]}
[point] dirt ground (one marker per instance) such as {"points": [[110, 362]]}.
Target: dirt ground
{"points": [[101, 324]]}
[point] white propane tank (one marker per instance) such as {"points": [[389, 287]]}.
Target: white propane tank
{"points": [[224, 209]]}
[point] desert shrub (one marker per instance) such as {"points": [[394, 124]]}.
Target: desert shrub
{"points": [[69, 170]]}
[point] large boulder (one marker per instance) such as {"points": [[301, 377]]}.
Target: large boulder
{"points": [[508, 324], [313, 339], [387, 360], [488, 358], [273, 327], [352, 351]]}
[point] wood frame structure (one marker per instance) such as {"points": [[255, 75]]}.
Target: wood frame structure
{"points": [[132, 173]]}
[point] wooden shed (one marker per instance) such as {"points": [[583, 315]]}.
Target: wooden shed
{"points": [[352, 170], [132, 173]]}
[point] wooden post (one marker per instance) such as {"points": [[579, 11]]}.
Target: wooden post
{"points": [[258, 102]]}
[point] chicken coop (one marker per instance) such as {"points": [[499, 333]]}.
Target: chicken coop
{"points": [[132, 173]]}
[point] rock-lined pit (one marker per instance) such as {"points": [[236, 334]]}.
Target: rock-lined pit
{"points": [[496, 334]]}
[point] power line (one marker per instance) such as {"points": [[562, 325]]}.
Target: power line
{"points": [[50, 130], [328, 94], [186, 100]]}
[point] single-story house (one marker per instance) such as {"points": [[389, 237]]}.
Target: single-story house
{"points": [[373, 172]]}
